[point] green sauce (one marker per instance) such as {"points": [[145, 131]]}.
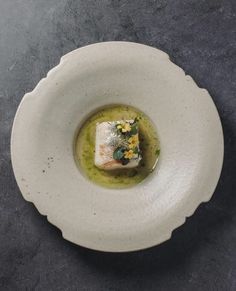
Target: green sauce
{"points": [[84, 148]]}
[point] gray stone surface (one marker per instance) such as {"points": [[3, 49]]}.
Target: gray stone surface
{"points": [[200, 36]]}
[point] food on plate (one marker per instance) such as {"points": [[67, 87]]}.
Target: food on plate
{"points": [[117, 144], [117, 147]]}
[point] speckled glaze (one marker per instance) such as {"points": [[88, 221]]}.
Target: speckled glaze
{"points": [[190, 135]]}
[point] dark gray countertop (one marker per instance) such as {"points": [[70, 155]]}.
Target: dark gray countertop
{"points": [[200, 36]]}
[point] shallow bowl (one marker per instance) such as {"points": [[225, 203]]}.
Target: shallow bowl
{"points": [[187, 123]]}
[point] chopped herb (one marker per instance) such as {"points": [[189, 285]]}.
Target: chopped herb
{"points": [[157, 152], [136, 151], [134, 129]]}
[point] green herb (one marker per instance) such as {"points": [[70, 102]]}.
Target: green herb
{"points": [[157, 152], [137, 118], [136, 151], [134, 129], [118, 153]]}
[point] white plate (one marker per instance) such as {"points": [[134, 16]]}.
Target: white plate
{"points": [[190, 135]]}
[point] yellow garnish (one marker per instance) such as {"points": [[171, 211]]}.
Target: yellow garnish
{"points": [[125, 127], [133, 141], [129, 154]]}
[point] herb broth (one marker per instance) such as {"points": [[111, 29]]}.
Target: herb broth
{"points": [[84, 148]]}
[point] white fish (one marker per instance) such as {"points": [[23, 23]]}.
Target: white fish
{"points": [[107, 140]]}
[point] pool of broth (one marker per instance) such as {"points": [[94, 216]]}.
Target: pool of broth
{"points": [[84, 148]]}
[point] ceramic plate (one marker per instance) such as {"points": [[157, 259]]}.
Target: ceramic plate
{"points": [[187, 123]]}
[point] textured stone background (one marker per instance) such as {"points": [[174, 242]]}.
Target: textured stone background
{"points": [[200, 36]]}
